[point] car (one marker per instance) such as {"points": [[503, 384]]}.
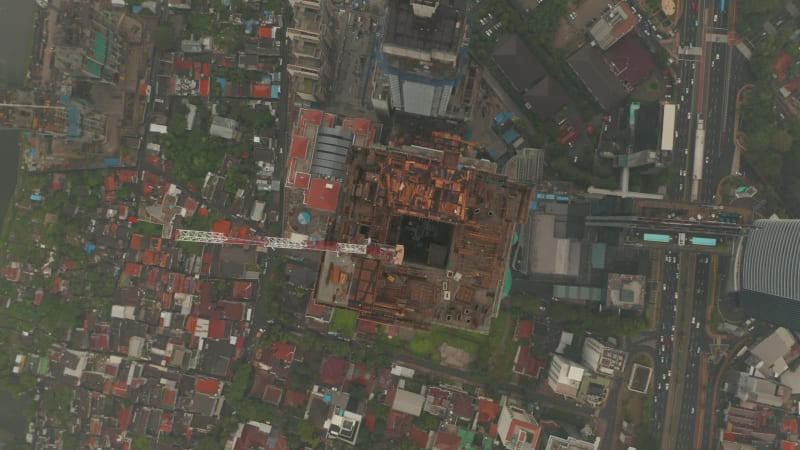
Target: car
{"points": [[666, 387], [659, 386], [676, 296], [673, 328], [686, 151], [689, 114], [669, 374], [676, 135], [664, 376], [664, 288], [680, 188], [675, 308], [693, 320], [692, 80], [698, 349], [716, 18], [698, 325], [687, 90], [682, 98], [694, 6], [717, 57]]}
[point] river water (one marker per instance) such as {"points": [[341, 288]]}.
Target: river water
{"points": [[16, 36]]}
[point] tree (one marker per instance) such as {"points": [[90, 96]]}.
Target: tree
{"points": [[305, 431]]}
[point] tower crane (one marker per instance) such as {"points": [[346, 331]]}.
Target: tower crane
{"points": [[387, 254]]}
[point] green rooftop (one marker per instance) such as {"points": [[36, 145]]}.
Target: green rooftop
{"points": [[100, 45]]}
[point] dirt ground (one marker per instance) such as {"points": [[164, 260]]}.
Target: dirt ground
{"points": [[570, 32], [454, 357]]}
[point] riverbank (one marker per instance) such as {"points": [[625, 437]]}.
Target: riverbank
{"points": [[17, 38]]}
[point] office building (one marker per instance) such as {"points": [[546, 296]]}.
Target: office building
{"points": [[419, 57]]}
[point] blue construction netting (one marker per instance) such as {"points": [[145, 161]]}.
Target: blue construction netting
{"points": [[73, 117], [510, 136]]}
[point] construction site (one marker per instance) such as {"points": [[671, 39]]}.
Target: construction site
{"points": [[446, 228]]}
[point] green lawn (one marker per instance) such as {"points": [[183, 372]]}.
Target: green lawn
{"points": [[344, 322]]}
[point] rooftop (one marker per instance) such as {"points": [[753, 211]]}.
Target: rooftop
{"points": [[454, 222], [517, 63], [442, 32], [592, 68], [613, 25]]}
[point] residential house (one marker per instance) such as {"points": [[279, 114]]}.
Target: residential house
{"points": [[517, 430]]}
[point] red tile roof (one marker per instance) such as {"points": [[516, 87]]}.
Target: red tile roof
{"points": [[222, 226], [525, 329], [488, 410], [299, 147], [124, 418], [283, 351], [367, 326], [370, 423], [216, 329], [397, 424], [302, 180], [252, 437], [166, 422], [149, 258], [333, 371], [294, 399], [463, 407], [136, 241], [260, 90], [527, 363], [633, 63], [265, 32], [323, 195], [790, 426], [100, 342], [169, 396], [781, 65], [208, 386], [111, 183], [447, 441], [205, 87], [127, 175], [242, 290], [419, 437], [788, 445], [133, 269]]}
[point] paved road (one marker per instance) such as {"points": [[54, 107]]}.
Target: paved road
{"points": [[727, 71], [666, 338], [694, 388]]}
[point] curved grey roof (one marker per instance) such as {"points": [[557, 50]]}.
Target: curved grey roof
{"points": [[771, 263]]}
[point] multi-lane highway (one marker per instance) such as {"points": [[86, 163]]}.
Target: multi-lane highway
{"points": [[710, 73], [666, 339], [691, 376]]}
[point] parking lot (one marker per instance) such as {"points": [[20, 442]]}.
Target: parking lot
{"points": [[571, 31]]}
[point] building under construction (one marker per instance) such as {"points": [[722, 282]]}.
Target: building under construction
{"points": [[51, 113], [454, 222]]}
